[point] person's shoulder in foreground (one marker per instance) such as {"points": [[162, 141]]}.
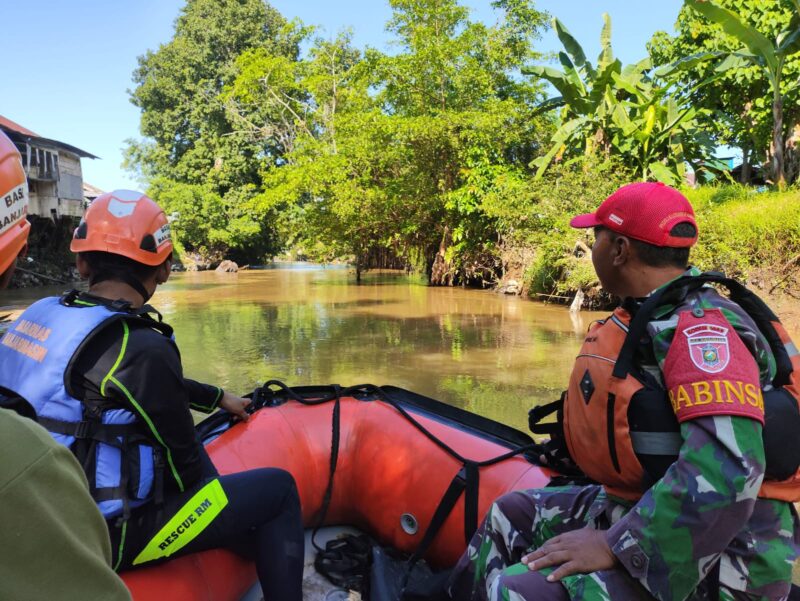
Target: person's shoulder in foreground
{"points": [[53, 541], [55, 544]]}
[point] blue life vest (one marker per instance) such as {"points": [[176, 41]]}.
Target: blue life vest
{"points": [[123, 467]]}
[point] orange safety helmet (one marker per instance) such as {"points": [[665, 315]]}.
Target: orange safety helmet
{"points": [[14, 227], [127, 223]]}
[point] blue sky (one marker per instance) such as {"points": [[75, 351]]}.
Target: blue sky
{"points": [[68, 64]]}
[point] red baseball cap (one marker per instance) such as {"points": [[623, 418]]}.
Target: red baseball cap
{"points": [[645, 211]]}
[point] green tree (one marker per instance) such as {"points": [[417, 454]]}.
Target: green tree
{"points": [[620, 111], [201, 220], [393, 155], [751, 98], [466, 121], [318, 109], [189, 137]]}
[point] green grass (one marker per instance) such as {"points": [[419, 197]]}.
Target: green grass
{"points": [[742, 230]]}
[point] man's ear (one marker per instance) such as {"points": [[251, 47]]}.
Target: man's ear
{"points": [[162, 275], [83, 267], [621, 251]]}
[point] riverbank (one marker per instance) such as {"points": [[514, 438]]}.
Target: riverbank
{"points": [[749, 235], [778, 289], [33, 272]]}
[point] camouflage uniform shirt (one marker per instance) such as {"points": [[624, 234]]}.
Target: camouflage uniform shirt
{"points": [[706, 506], [704, 514]]}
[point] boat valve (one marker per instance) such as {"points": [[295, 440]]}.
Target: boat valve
{"points": [[409, 523]]}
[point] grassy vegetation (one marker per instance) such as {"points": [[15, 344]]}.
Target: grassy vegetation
{"points": [[744, 233]]}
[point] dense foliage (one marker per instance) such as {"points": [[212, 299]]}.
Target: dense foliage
{"points": [[744, 53], [611, 110], [747, 234], [192, 147], [451, 155]]}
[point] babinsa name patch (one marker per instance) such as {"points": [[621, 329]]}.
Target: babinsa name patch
{"points": [[709, 370]]}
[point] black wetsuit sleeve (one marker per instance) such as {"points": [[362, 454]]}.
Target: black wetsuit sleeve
{"points": [[202, 397], [140, 369]]}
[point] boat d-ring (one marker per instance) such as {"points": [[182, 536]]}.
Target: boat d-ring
{"points": [[409, 523]]}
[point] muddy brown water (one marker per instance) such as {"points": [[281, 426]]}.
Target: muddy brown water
{"points": [[494, 355], [491, 354]]}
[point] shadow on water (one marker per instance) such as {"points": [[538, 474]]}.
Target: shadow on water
{"points": [[491, 354]]}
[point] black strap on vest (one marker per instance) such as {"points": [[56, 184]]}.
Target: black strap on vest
{"points": [[125, 437], [781, 413], [539, 412], [554, 452], [676, 291], [142, 315], [91, 431]]}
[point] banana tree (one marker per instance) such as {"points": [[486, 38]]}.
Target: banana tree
{"points": [[582, 88], [769, 54], [619, 111]]}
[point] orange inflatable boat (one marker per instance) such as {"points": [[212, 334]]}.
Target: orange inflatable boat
{"points": [[398, 453]]}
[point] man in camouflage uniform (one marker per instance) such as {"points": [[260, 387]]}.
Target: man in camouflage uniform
{"points": [[700, 532]]}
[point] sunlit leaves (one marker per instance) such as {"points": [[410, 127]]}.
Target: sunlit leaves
{"points": [[619, 111]]}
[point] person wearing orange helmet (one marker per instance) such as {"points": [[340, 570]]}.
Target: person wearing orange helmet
{"points": [[106, 380], [14, 227], [47, 509]]}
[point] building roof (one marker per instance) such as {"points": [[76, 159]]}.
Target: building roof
{"points": [[21, 134], [7, 124], [91, 192]]}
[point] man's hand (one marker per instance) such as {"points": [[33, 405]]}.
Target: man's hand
{"points": [[577, 552], [236, 405]]}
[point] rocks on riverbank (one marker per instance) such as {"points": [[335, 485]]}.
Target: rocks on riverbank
{"points": [[196, 262], [32, 272], [512, 287], [227, 267]]}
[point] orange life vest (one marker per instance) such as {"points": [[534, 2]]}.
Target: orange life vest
{"points": [[620, 428]]}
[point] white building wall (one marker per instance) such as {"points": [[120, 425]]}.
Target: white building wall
{"points": [[61, 198]]}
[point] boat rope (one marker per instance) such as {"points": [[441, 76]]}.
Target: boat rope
{"points": [[466, 481], [334, 460]]}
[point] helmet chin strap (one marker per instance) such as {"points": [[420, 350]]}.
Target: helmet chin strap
{"points": [[127, 279]]}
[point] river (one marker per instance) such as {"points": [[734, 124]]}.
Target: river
{"points": [[494, 355], [491, 354]]}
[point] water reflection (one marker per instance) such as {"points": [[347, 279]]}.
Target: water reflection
{"points": [[493, 355]]}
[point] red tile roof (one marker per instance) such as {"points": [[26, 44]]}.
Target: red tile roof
{"points": [[9, 124], [15, 129]]}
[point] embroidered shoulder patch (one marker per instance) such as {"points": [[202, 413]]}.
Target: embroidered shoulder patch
{"points": [[709, 370], [708, 346]]}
